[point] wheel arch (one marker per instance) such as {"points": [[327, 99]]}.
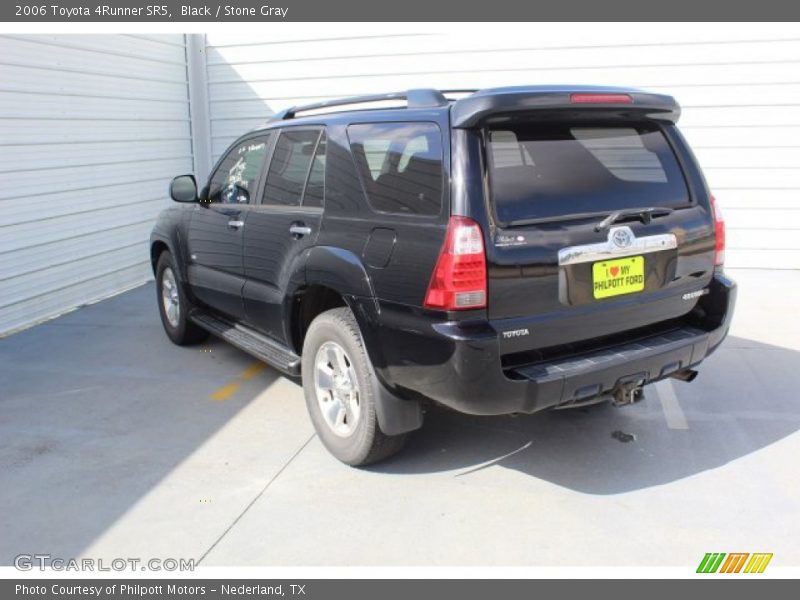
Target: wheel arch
{"points": [[329, 277], [334, 277], [157, 248]]}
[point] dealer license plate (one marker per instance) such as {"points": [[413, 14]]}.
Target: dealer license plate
{"points": [[617, 277]]}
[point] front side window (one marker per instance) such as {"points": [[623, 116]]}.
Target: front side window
{"points": [[400, 165], [236, 177], [290, 166]]}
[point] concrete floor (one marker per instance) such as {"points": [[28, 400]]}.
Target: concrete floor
{"points": [[115, 443]]}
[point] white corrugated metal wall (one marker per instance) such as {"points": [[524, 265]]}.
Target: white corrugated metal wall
{"points": [[739, 85], [92, 127]]}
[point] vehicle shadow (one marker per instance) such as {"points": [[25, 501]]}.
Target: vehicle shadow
{"points": [[98, 407], [743, 400]]}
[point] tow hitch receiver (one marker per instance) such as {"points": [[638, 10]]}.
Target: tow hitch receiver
{"points": [[628, 392]]}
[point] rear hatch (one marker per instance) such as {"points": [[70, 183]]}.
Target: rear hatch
{"points": [[599, 223]]}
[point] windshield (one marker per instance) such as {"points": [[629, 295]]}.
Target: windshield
{"points": [[551, 170]]}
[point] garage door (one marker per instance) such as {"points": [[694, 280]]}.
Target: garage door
{"points": [[739, 86], [93, 128]]}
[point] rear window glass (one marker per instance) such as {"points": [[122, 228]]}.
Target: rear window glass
{"points": [[542, 171], [400, 165]]}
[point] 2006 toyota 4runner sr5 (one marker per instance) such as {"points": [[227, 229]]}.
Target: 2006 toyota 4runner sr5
{"points": [[509, 251]]}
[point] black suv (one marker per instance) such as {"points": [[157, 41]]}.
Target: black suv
{"points": [[509, 251]]}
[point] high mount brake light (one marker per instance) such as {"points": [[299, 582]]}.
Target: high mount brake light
{"points": [[458, 281], [600, 99]]}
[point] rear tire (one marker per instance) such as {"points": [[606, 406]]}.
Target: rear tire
{"points": [[173, 304], [339, 387]]}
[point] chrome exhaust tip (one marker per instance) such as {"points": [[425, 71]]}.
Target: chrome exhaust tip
{"points": [[686, 375]]}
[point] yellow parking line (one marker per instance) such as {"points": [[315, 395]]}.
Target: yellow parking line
{"points": [[252, 370], [226, 391]]}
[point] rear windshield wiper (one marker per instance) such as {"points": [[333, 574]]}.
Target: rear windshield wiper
{"points": [[645, 215]]}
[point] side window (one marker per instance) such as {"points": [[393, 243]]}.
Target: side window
{"points": [[235, 179], [315, 188], [400, 165], [290, 166], [376, 150]]}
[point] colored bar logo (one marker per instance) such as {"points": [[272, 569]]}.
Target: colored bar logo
{"points": [[734, 562]]}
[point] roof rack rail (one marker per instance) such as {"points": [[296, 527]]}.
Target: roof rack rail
{"points": [[417, 98], [460, 91]]}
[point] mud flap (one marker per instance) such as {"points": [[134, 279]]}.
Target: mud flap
{"points": [[395, 415]]}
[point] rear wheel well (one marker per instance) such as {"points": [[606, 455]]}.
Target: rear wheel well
{"points": [[309, 303], [155, 252]]}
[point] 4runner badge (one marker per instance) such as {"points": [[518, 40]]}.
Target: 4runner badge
{"points": [[697, 294], [515, 333]]}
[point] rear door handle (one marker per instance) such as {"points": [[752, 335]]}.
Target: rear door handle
{"points": [[299, 229], [235, 224]]}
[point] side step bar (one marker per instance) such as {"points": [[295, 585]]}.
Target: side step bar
{"points": [[247, 340]]}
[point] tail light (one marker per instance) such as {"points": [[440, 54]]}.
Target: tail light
{"points": [[459, 278], [719, 233]]}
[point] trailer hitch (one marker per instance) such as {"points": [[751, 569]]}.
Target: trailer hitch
{"points": [[628, 392]]}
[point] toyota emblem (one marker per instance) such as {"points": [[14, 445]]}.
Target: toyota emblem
{"points": [[622, 237]]}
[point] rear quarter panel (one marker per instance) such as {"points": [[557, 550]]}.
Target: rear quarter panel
{"points": [[349, 220]]}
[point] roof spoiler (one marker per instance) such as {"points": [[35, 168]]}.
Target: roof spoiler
{"points": [[475, 108]]}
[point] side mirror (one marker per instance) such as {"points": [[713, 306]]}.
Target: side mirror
{"points": [[183, 189]]}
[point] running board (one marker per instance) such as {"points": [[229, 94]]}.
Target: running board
{"points": [[247, 340]]}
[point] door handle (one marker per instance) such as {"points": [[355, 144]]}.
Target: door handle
{"points": [[235, 224], [299, 229]]}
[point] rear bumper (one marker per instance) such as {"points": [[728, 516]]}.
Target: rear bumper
{"points": [[458, 364]]}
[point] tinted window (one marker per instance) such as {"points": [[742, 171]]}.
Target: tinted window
{"points": [[289, 167], [315, 188], [400, 165], [236, 176], [344, 192], [539, 171]]}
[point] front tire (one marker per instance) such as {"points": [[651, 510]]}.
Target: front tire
{"points": [[339, 388], [173, 305]]}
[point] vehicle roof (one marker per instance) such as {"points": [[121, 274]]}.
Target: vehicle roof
{"points": [[469, 110]]}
